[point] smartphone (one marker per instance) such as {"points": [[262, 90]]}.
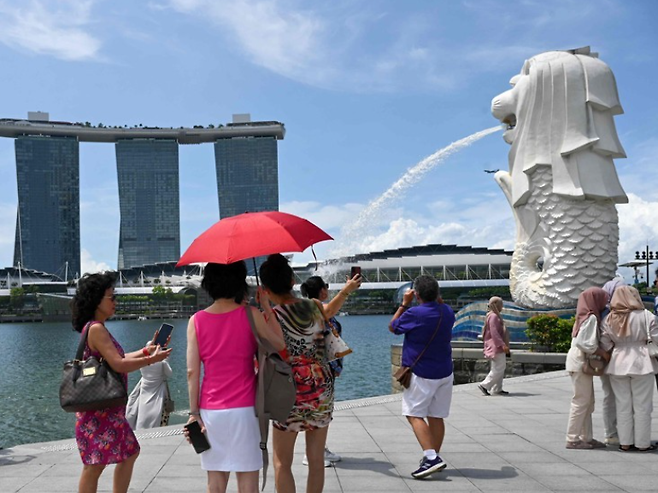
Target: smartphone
{"points": [[198, 439], [354, 271], [163, 334]]}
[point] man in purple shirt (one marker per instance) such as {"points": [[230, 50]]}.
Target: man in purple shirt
{"points": [[427, 330]]}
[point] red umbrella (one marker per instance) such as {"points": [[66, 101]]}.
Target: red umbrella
{"points": [[252, 234]]}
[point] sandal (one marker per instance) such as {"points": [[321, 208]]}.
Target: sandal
{"points": [[650, 448], [631, 448]]}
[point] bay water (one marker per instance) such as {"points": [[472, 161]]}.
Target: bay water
{"points": [[32, 356]]}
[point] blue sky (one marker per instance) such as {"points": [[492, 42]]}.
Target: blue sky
{"points": [[366, 90]]}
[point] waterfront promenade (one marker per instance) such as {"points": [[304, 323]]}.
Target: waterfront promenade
{"points": [[496, 443]]}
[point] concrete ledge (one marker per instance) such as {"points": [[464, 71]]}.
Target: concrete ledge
{"points": [[539, 358]]}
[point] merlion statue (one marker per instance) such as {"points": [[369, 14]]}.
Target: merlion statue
{"points": [[562, 183]]}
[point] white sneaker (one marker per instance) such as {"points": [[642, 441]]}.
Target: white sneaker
{"points": [[327, 463], [330, 456]]}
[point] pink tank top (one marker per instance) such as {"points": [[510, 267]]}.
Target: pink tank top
{"points": [[227, 348]]}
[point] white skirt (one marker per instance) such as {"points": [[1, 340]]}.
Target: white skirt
{"points": [[234, 438]]}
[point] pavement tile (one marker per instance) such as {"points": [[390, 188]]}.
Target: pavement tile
{"points": [[497, 444]]}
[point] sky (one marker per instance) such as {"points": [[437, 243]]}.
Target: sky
{"points": [[366, 90]]}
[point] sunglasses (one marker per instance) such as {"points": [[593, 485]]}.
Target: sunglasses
{"points": [[326, 285], [113, 297]]}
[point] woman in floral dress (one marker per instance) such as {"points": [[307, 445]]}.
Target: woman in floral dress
{"points": [[302, 322], [104, 436]]}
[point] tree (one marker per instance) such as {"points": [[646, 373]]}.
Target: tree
{"points": [[17, 297], [159, 292]]}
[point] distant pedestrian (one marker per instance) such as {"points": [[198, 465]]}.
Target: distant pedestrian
{"points": [[496, 348], [104, 436], [148, 402], [427, 330], [631, 369], [584, 342], [314, 287]]}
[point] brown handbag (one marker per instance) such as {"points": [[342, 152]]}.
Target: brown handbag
{"points": [[594, 365], [403, 375], [91, 384]]}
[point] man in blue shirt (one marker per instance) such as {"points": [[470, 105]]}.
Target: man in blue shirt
{"points": [[427, 330]]}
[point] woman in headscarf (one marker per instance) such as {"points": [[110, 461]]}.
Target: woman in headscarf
{"points": [[609, 410], [496, 346], [584, 342], [626, 330]]}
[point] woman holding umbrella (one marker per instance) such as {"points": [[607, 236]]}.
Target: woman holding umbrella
{"points": [[302, 322], [220, 338]]}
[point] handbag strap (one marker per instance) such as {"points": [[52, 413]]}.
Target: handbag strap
{"points": [[83, 341], [647, 325], [436, 331], [264, 347]]}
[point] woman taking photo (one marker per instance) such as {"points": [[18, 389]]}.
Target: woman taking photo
{"points": [[315, 288], [220, 338], [104, 436], [631, 369], [302, 321]]}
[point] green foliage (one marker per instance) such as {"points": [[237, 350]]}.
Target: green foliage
{"points": [[550, 332], [158, 292], [17, 297]]}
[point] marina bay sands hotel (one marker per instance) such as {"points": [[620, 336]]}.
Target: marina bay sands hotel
{"points": [[48, 178]]}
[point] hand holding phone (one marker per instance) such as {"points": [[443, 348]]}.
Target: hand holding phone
{"points": [[161, 337], [354, 271], [197, 437]]}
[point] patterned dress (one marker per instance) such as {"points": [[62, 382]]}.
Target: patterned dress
{"points": [[303, 328], [104, 436]]}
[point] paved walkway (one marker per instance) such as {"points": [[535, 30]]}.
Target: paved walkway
{"points": [[513, 443]]}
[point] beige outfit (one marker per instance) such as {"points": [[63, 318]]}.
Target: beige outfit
{"points": [[631, 371], [579, 427]]}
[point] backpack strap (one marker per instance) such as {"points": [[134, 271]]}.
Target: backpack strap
{"points": [[263, 420]]}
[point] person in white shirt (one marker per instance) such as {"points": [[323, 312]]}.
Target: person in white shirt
{"points": [[627, 330], [146, 403]]}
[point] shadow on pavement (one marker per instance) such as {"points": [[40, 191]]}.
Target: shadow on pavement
{"points": [[356, 464]]}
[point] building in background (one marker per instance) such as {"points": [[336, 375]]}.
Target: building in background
{"points": [[247, 170], [48, 218], [47, 164], [149, 231]]}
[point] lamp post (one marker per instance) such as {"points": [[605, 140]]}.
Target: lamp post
{"points": [[647, 257]]}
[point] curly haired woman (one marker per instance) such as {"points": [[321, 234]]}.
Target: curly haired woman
{"points": [[104, 436]]}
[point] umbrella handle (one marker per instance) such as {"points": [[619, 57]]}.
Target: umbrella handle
{"points": [[255, 271]]}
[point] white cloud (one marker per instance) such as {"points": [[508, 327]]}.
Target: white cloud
{"points": [[637, 229], [330, 45], [57, 28], [327, 217], [89, 265]]}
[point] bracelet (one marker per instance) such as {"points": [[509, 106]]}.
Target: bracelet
{"points": [[145, 352], [193, 414], [405, 307], [347, 295]]}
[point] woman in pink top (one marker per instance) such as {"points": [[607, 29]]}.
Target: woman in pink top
{"points": [[626, 330], [496, 344], [221, 339]]}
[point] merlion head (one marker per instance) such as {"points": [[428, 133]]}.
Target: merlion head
{"points": [[559, 113]]}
